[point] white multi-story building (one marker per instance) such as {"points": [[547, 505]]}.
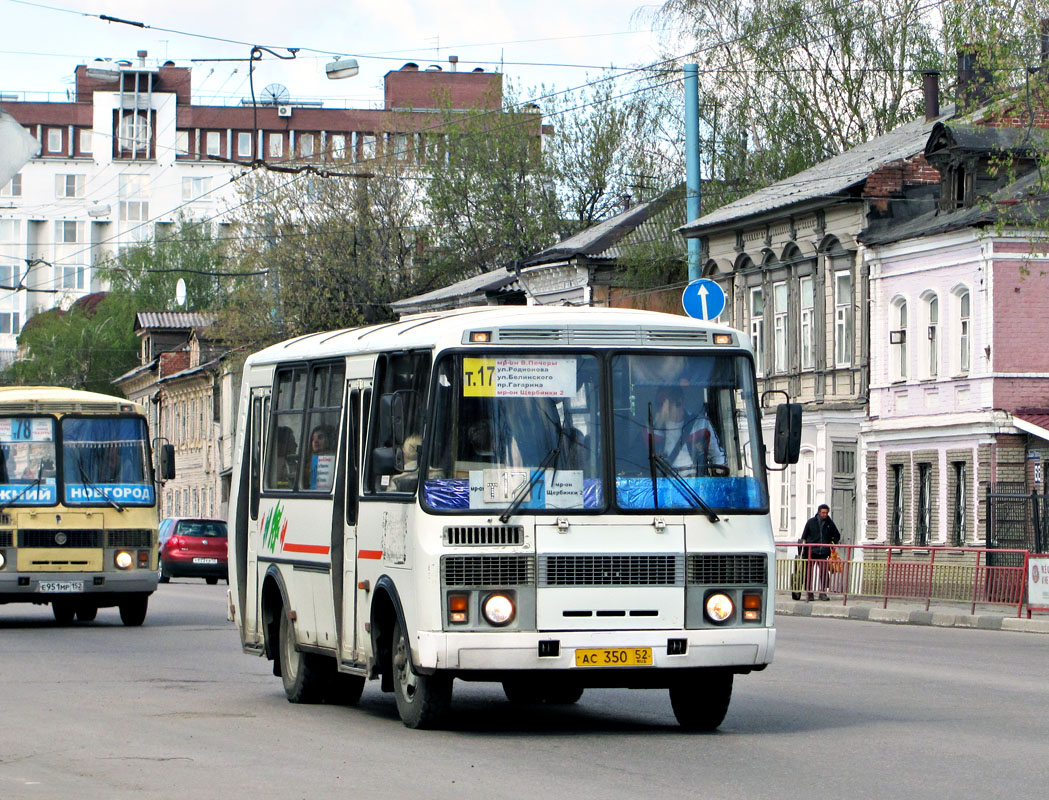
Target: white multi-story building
{"points": [[131, 151]]}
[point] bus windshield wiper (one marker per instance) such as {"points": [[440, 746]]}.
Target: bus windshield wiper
{"points": [[668, 469], [87, 482], [537, 474], [25, 491]]}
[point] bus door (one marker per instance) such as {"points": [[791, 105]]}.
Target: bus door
{"points": [[258, 412], [345, 512]]}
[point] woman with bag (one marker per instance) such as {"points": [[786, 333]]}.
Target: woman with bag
{"points": [[820, 532]]}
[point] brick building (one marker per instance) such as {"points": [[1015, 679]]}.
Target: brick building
{"points": [[131, 151]]}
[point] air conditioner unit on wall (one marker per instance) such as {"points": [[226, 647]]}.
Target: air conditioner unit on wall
{"points": [[283, 111]]}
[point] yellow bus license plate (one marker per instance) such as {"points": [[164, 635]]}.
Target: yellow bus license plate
{"points": [[614, 657]]}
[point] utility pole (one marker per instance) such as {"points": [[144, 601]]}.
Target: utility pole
{"points": [[692, 176]]}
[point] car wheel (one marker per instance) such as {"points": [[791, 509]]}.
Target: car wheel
{"points": [[700, 703], [211, 581], [86, 613], [164, 577], [422, 700], [133, 610], [63, 611], [303, 674]]}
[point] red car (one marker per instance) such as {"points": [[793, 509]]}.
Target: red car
{"points": [[193, 548]]}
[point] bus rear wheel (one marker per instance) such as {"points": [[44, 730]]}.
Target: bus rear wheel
{"points": [[64, 610], [422, 700], [344, 689], [133, 610], [700, 704], [303, 674]]}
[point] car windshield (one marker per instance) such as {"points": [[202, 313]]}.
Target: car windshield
{"points": [[206, 529], [686, 433], [505, 422], [106, 459], [27, 461]]}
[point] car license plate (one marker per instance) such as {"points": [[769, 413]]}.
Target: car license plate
{"points": [[614, 657], [205, 561], [60, 587]]}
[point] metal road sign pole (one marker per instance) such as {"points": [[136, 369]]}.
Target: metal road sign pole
{"points": [[692, 176]]}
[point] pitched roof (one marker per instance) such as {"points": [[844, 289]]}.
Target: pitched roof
{"points": [[835, 176], [173, 320], [463, 293], [1034, 421]]}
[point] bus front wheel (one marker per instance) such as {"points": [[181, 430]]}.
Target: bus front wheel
{"points": [[63, 611], [700, 704], [133, 610], [422, 700], [303, 674], [86, 613]]}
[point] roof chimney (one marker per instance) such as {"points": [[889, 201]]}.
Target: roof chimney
{"points": [[142, 57], [454, 61], [931, 90], [974, 80]]}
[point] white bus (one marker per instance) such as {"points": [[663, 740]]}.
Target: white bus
{"points": [[550, 498]]}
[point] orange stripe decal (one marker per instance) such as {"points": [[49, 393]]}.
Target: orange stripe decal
{"points": [[319, 549], [369, 554]]}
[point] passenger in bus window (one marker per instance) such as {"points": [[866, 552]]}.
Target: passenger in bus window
{"points": [[407, 480], [686, 440], [322, 458], [282, 470]]}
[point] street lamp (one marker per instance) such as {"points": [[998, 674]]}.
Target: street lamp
{"points": [[341, 68]]}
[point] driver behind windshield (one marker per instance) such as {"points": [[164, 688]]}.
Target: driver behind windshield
{"points": [[684, 437]]}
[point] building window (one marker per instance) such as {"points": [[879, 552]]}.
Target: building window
{"points": [[276, 149], [784, 500], [213, 143], [807, 301], [195, 188], [399, 143], [368, 146], [134, 132], [922, 532], [898, 339], [843, 319], [896, 529], [963, 331], [960, 500], [85, 141], [54, 140], [69, 231], [933, 313], [13, 188], [306, 145], [779, 325], [9, 322], [68, 186], [182, 143], [134, 207], [338, 146], [757, 328], [244, 145]]}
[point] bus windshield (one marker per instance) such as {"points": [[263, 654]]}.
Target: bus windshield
{"points": [[27, 461], [516, 429], [686, 432], [106, 459]]}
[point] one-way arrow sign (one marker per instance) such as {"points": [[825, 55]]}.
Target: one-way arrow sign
{"points": [[703, 299]]}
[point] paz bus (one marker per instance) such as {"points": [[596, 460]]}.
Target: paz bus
{"points": [[78, 514], [491, 494]]}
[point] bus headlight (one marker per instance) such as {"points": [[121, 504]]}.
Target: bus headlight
{"points": [[3, 559], [498, 609], [123, 560], [719, 607]]}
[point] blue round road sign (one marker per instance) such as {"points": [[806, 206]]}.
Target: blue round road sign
{"points": [[703, 299]]}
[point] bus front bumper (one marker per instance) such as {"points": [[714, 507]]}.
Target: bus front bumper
{"points": [[740, 648], [46, 587]]}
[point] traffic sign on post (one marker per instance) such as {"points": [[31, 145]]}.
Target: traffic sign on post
{"points": [[703, 299]]}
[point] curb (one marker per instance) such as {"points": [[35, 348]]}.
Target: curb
{"points": [[900, 616]]}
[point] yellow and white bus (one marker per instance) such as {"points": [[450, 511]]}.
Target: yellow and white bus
{"points": [[78, 513], [550, 498]]}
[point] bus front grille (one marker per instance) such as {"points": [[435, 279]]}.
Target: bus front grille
{"points": [[60, 538], [727, 569], [129, 538], [6, 538], [467, 571], [612, 570], [458, 535]]}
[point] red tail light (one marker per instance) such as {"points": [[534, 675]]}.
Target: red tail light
{"points": [[174, 541]]}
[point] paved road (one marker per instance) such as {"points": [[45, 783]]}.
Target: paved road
{"points": [[849, 710]]}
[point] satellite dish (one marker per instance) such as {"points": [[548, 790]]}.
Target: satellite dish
{"points": [[275, 94], [180, 292]]}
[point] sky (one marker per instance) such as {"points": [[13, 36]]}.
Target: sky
{"points": [[44, 40]]}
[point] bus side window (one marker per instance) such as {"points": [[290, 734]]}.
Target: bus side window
{"points": [[406, 375]]}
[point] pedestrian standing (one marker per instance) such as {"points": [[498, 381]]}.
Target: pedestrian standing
{"points": [[820, 532]]}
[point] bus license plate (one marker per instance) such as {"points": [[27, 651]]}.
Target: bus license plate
{"points": [[60, 587], [205, 561], [614, 657]]}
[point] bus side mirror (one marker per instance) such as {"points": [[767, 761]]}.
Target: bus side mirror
{"points": [[391, 419], [167, 462], [787, 439], [388, 460]]}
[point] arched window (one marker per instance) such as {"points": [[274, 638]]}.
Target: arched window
{"points": [[963, 331], [898, 338], [932, 318]]}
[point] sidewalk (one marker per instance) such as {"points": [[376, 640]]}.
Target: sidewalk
{"points": [[912, 612]]}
